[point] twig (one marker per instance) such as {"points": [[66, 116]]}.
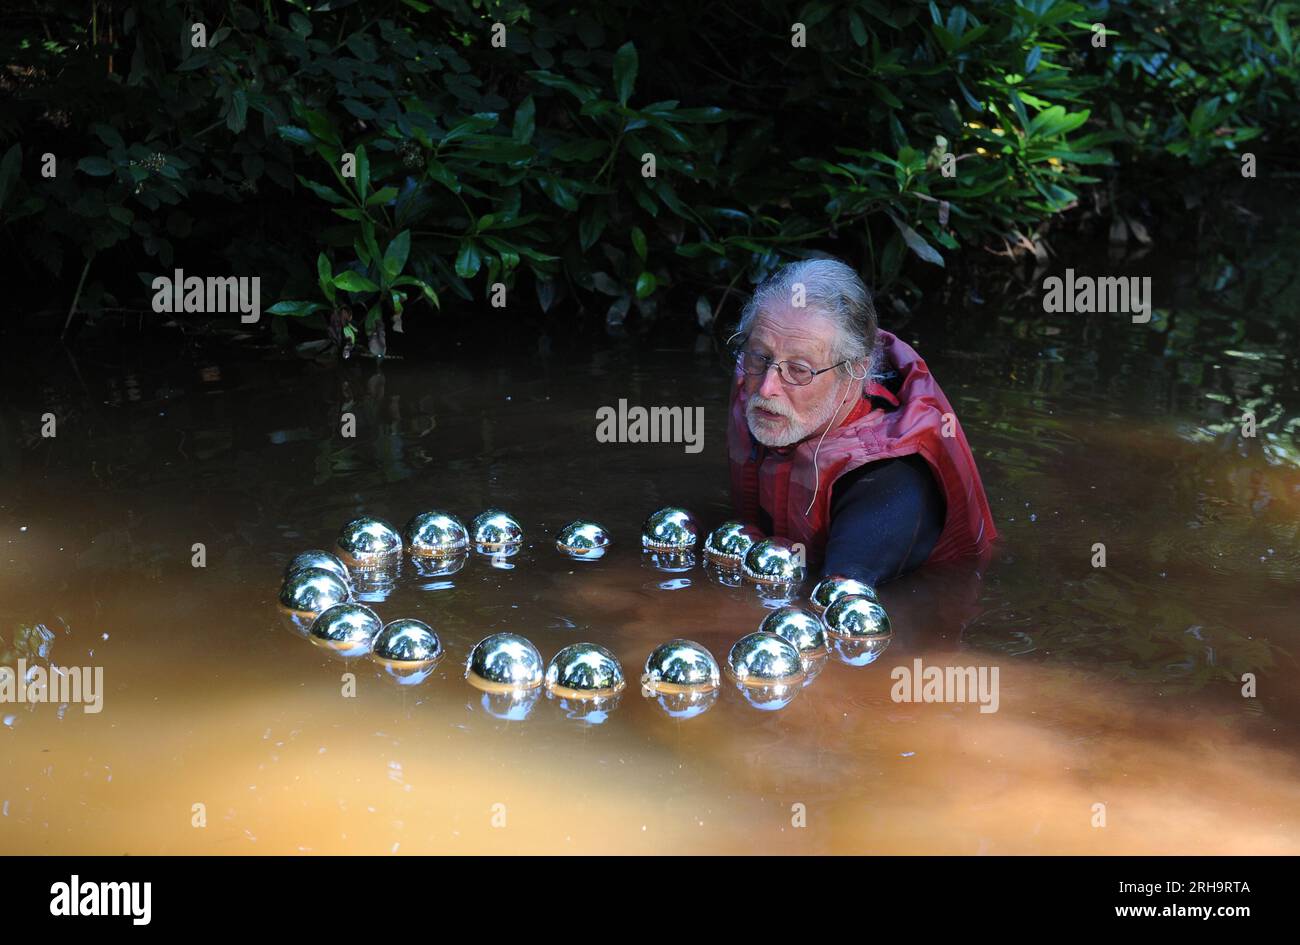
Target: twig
{"points": [[76, 296]]}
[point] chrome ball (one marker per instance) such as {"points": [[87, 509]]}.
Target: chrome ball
{"points": [[728, 544], [856, 615], [504, 661], [773, 561], [686, 704], [312, 590], [406, 641], [764, 659], [670, 529], [583, 539], [318, 559], [834, 586], [859, 651], [348, 629], [495, 530], [680, 665], [435, 534], [584, 669], [368, 542], [802, 628]]}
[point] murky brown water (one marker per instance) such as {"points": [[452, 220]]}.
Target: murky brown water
{"points": [[1118, 686]]}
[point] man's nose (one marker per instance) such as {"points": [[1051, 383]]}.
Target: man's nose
{"points": [[771, 386]]}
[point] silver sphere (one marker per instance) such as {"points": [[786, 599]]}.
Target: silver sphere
{"points": [[319, 559], [773, 561], [856, 615], [728, 544], [583, 539], [834, 586], [312, 590], [764, 659], [680, 665], [349, 629], [368, 542], [670, 529], [495, 530], [406, 641], [802, 628], [435, 534], [504, 661], [584, 669]]}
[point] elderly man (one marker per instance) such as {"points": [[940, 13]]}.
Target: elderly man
{"points": [[840, 439]]}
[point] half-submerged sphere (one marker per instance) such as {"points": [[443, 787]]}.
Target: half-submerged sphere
{"points": [[582, 539], [349, 629], [435, 534], [504, 661], [584, 669], [369, 542], [728, 544], [406, 641], [318, 559], [802, 628], [495, 530], [680, 665], [856, 615], [669, 529], [834, 586], [773, 561], [312, 590], [764, 658]]}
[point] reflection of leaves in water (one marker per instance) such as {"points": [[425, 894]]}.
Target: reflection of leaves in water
{"points": [[1126, 632]]}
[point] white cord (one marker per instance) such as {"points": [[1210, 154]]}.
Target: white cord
{"points": [[817, 479]]}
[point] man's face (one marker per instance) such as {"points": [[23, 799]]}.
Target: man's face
{"points": [[778, 413]]}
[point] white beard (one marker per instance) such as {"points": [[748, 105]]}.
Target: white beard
{"points": [[786, 430]]}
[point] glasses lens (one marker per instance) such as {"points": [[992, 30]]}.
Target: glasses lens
{"points": [[753, 363], [797, 374]]}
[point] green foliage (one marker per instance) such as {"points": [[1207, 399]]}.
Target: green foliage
{"points": [[415, 161]]}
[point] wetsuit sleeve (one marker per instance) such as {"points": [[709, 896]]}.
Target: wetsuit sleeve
{"points": [[886, 518]]}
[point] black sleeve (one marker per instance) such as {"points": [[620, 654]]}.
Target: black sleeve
{"points": [[886, 518]]}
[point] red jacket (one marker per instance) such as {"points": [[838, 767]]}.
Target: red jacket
{"points": [[782, 480]]}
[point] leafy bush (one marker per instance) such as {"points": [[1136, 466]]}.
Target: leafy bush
{"points": [[529, 165]]}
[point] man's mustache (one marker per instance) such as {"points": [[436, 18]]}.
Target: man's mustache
{"points": [[774, 406]]}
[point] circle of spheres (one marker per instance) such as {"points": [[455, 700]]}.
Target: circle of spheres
{"points": [[769, 666]]}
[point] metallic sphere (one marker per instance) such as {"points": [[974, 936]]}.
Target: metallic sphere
{"points": [[435, 534], [582, 539], [368, 542], [583, 669], [765, 659], [319, 559], [773, 561], [670, 529], [834, 586], [407, 641], [312, 590], [348, 629], [856, 615], [681, 665], [504, 661], [728, 544], [801, 627], [495, 530]]}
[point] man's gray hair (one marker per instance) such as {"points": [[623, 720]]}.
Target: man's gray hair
{"points": [[832, 289]]}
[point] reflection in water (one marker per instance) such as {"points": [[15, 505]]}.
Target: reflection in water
{"points": [[1120, 682], [439, 567], [685, 704], [590, 710], [376, 585], [769, 698], [671, 562]]}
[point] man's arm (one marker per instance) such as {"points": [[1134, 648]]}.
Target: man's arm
{"points": [[886, 518]]}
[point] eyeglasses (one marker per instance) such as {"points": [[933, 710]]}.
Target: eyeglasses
{"points": [[791, 372]]}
